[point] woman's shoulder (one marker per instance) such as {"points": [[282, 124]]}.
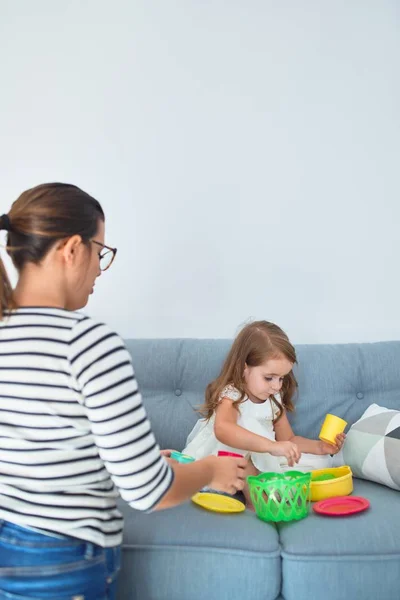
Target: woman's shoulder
{"points": [[87, 332], [84, 322], [60, 320]]}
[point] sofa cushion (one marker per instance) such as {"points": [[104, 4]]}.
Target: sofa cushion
{"points": [[189, 553], [343, 378], [372, 447], [339, 558]]}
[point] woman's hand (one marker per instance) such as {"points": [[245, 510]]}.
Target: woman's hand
{"points": [[166, 453], [228, 473], [333, 448]]}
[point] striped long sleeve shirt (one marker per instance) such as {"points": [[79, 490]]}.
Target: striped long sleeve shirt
{"points": [[73, 429]]}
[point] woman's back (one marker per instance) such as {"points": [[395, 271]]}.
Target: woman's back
{"points": [[66, 382]]}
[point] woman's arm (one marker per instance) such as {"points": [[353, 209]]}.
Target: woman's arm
{"points": [[107, 389], [222, 473]]}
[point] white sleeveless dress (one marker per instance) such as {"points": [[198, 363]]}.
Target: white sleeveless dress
{"points": [[257, 418]]}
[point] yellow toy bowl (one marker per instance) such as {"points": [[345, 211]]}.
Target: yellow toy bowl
{"points": [[328, 483]]}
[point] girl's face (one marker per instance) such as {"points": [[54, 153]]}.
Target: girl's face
{"points": [[266, 379]]}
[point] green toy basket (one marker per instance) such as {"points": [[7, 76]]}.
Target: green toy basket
{"points": [[280, 496]]}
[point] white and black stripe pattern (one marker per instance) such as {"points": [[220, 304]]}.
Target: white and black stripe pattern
{"points": [[73, 429]]}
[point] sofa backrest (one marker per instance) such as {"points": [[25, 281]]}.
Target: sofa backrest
{"points": [[343, 379]]}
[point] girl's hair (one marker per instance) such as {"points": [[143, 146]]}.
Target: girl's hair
{"points": [[40, 217], [256, 343]]}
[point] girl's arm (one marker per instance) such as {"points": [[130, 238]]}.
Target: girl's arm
{"points": [[284, 432], [228, 432]]}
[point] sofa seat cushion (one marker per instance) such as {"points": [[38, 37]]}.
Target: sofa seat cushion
{"points": [[187, 552], [339, 558]]}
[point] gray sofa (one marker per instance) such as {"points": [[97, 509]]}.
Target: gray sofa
{"points": [[189, 554]]}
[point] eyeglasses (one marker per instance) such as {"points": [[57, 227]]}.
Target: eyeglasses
{"points": [[106, 255]]}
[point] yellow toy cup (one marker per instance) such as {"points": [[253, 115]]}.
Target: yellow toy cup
{"points": [[331, 427]]}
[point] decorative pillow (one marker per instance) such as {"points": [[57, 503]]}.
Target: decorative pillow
{"points": [[372, 447]]}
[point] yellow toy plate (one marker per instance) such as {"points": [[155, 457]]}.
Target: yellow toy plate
{"points": [[218, 503]]}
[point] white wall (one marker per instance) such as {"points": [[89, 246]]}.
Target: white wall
{"points": [[246, 154]]}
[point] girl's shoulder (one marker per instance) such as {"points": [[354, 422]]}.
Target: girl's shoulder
{"points": [[276, 406], [230, 392]]}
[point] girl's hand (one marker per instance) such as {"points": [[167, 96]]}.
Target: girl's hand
{"points": [[333, 448], [287, 449]]}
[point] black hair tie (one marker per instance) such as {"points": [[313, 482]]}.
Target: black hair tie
{"points": [[5, 223]]}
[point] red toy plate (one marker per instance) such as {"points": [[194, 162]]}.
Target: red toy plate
{"points": [[234, 454], [341, 506]]}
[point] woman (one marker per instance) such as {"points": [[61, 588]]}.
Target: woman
{"points": [[73, 430]]}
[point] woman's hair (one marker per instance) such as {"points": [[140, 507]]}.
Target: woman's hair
{"points": [[256, 343], [40, 217]]}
